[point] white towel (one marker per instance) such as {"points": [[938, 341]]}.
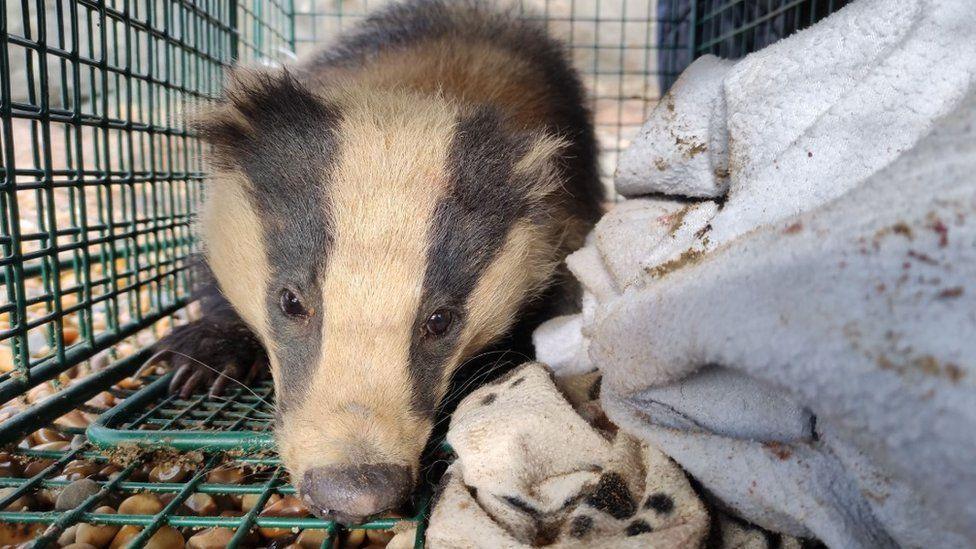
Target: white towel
{"points": [[837, 275]]}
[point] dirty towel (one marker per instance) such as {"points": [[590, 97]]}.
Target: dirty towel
{"points": [[533, 471], [806, 351]]}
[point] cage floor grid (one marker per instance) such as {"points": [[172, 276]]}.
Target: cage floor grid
{"points": [[158, 465], [239, 420]]}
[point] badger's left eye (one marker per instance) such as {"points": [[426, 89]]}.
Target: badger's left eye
{"points": [[438, 322], [291, 304]]}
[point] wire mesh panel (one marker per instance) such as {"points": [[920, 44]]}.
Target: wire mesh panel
{"points": [[730, 28], [100, 175], [238, 498]]}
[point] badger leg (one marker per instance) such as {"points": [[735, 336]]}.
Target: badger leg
{"points": [[215, 351]]}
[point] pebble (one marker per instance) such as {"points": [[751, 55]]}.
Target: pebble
{"points": [[20, 504], [201, 504], [314, 538], [70, 335], [103, 400], [46, 497], [288, 506], [166, 537], [54, 446], [225, 476], [68, 536], [75, 493], [45, 435], [40, 392], [78, 468], [109, 472], [6, 359], [211, 538], [97, 535], [404, 539], [9, 467], [248, 501], [74, 418], [167, 473], [355, 538], [129, 384], [140, 504], [125, 535]]}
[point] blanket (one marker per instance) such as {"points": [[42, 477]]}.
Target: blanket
{"points": [[784, 305], [538, 465]]}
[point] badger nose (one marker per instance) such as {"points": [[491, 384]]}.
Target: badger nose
{"points": [[350, 494]]}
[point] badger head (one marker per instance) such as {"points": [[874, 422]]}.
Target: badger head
{"points": [[374, 240]]}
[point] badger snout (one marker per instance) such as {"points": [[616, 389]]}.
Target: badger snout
{"points": [[351, 461], [350, 494]]}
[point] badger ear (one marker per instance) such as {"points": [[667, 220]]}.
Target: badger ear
{"points": [[537, 170], [256, 102]]}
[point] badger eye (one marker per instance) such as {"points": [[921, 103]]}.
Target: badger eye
{"points": [[438, 322], [290, 304]]}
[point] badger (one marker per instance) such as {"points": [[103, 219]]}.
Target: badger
{"points": [[379, 214]]}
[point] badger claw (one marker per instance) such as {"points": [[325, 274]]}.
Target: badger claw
{"points": [[209, 353]]}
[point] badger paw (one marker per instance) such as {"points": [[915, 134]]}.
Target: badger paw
{"points": [[210, 353]]}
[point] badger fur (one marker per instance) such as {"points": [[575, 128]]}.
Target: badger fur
{"points": [[380, 214]]}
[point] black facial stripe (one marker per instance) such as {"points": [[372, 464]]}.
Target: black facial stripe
{"points": [[468, 228], [287, 151], [413, 23]]}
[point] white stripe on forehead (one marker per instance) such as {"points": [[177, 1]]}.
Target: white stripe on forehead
{"points": [[387, 181], [230, 228]]}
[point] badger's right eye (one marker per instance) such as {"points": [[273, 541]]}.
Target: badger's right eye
{"points": [[291, 305]]}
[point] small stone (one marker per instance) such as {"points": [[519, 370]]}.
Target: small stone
{"points": [[201, 504], [167, 473], [288, 506], [54, 446], [22, 503], [97, 535], [68, 536], [379, 537], [125, 535], [75, 494], [140, 504], [248, 501], [225, 476], [211, 538], [45, 435], [166, 537], [79, 468], [314, 538]]}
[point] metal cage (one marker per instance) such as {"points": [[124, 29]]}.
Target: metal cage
{"points": [[100, 178]]}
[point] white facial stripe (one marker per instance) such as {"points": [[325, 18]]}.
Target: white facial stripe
{"points": [[519, 270], [385, 186], [231, 232]]}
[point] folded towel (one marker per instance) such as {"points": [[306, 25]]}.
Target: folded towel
{"points": [[836, 277], [531, 471], [800, 122], [682, 150]]}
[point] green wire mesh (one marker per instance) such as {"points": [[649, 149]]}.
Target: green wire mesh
{"points": [[158, 415], [729, 28], [100, 178], [100, 174]]}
